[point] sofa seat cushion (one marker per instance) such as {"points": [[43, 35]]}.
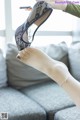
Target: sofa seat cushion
{"points": [[72, 113], [50, 96], [19, 107]]}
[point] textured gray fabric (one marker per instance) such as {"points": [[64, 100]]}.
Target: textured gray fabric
{"points": [[74, 59], [3, 72], [19, 107], [50, 96], [21, 75], [72, 113], [58, 52]]}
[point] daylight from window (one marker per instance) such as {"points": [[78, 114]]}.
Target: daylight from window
{"points": [[57, 28]]}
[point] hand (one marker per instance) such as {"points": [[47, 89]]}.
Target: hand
{"points": [[57, 4]]}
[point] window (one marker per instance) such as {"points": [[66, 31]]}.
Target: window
{"points": [[2, 16], [20, 15], [57, 28], [2, 25]]}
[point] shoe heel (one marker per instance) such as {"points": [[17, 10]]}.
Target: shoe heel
{"points": [[39, 14]]}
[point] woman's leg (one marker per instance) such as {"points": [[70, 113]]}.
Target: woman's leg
{"points": [[54, 69]]}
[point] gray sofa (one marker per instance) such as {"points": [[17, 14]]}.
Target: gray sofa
{"points": [[27, 94]]}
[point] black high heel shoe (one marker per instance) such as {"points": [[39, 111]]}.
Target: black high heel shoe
{"points": [[39, 14]]}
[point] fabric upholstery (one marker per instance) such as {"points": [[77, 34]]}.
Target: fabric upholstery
{"points": [[58, 52], [50, 96], [74, 61], [21, 75], [3, 73], [72, 113], [19, 107]]}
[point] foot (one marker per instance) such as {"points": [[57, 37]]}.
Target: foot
{"points": [[42, 62], [35, 58]]}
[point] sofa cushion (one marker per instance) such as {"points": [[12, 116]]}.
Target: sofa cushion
{"points": [[19, 106], [3, 73], [72, 113], [58, 52], [50, 96], [21, 75], [74, 59]]}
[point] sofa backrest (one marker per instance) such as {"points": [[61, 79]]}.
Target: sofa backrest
{"points": [[21, 75], [74, 59], [3, 72]]}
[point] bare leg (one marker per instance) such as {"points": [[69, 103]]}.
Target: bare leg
{"points": [[54, 69]]}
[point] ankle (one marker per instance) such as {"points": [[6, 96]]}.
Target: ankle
{"points": [[58, 72]]}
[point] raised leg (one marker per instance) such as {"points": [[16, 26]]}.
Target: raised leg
{"points": [[54, 69]]}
